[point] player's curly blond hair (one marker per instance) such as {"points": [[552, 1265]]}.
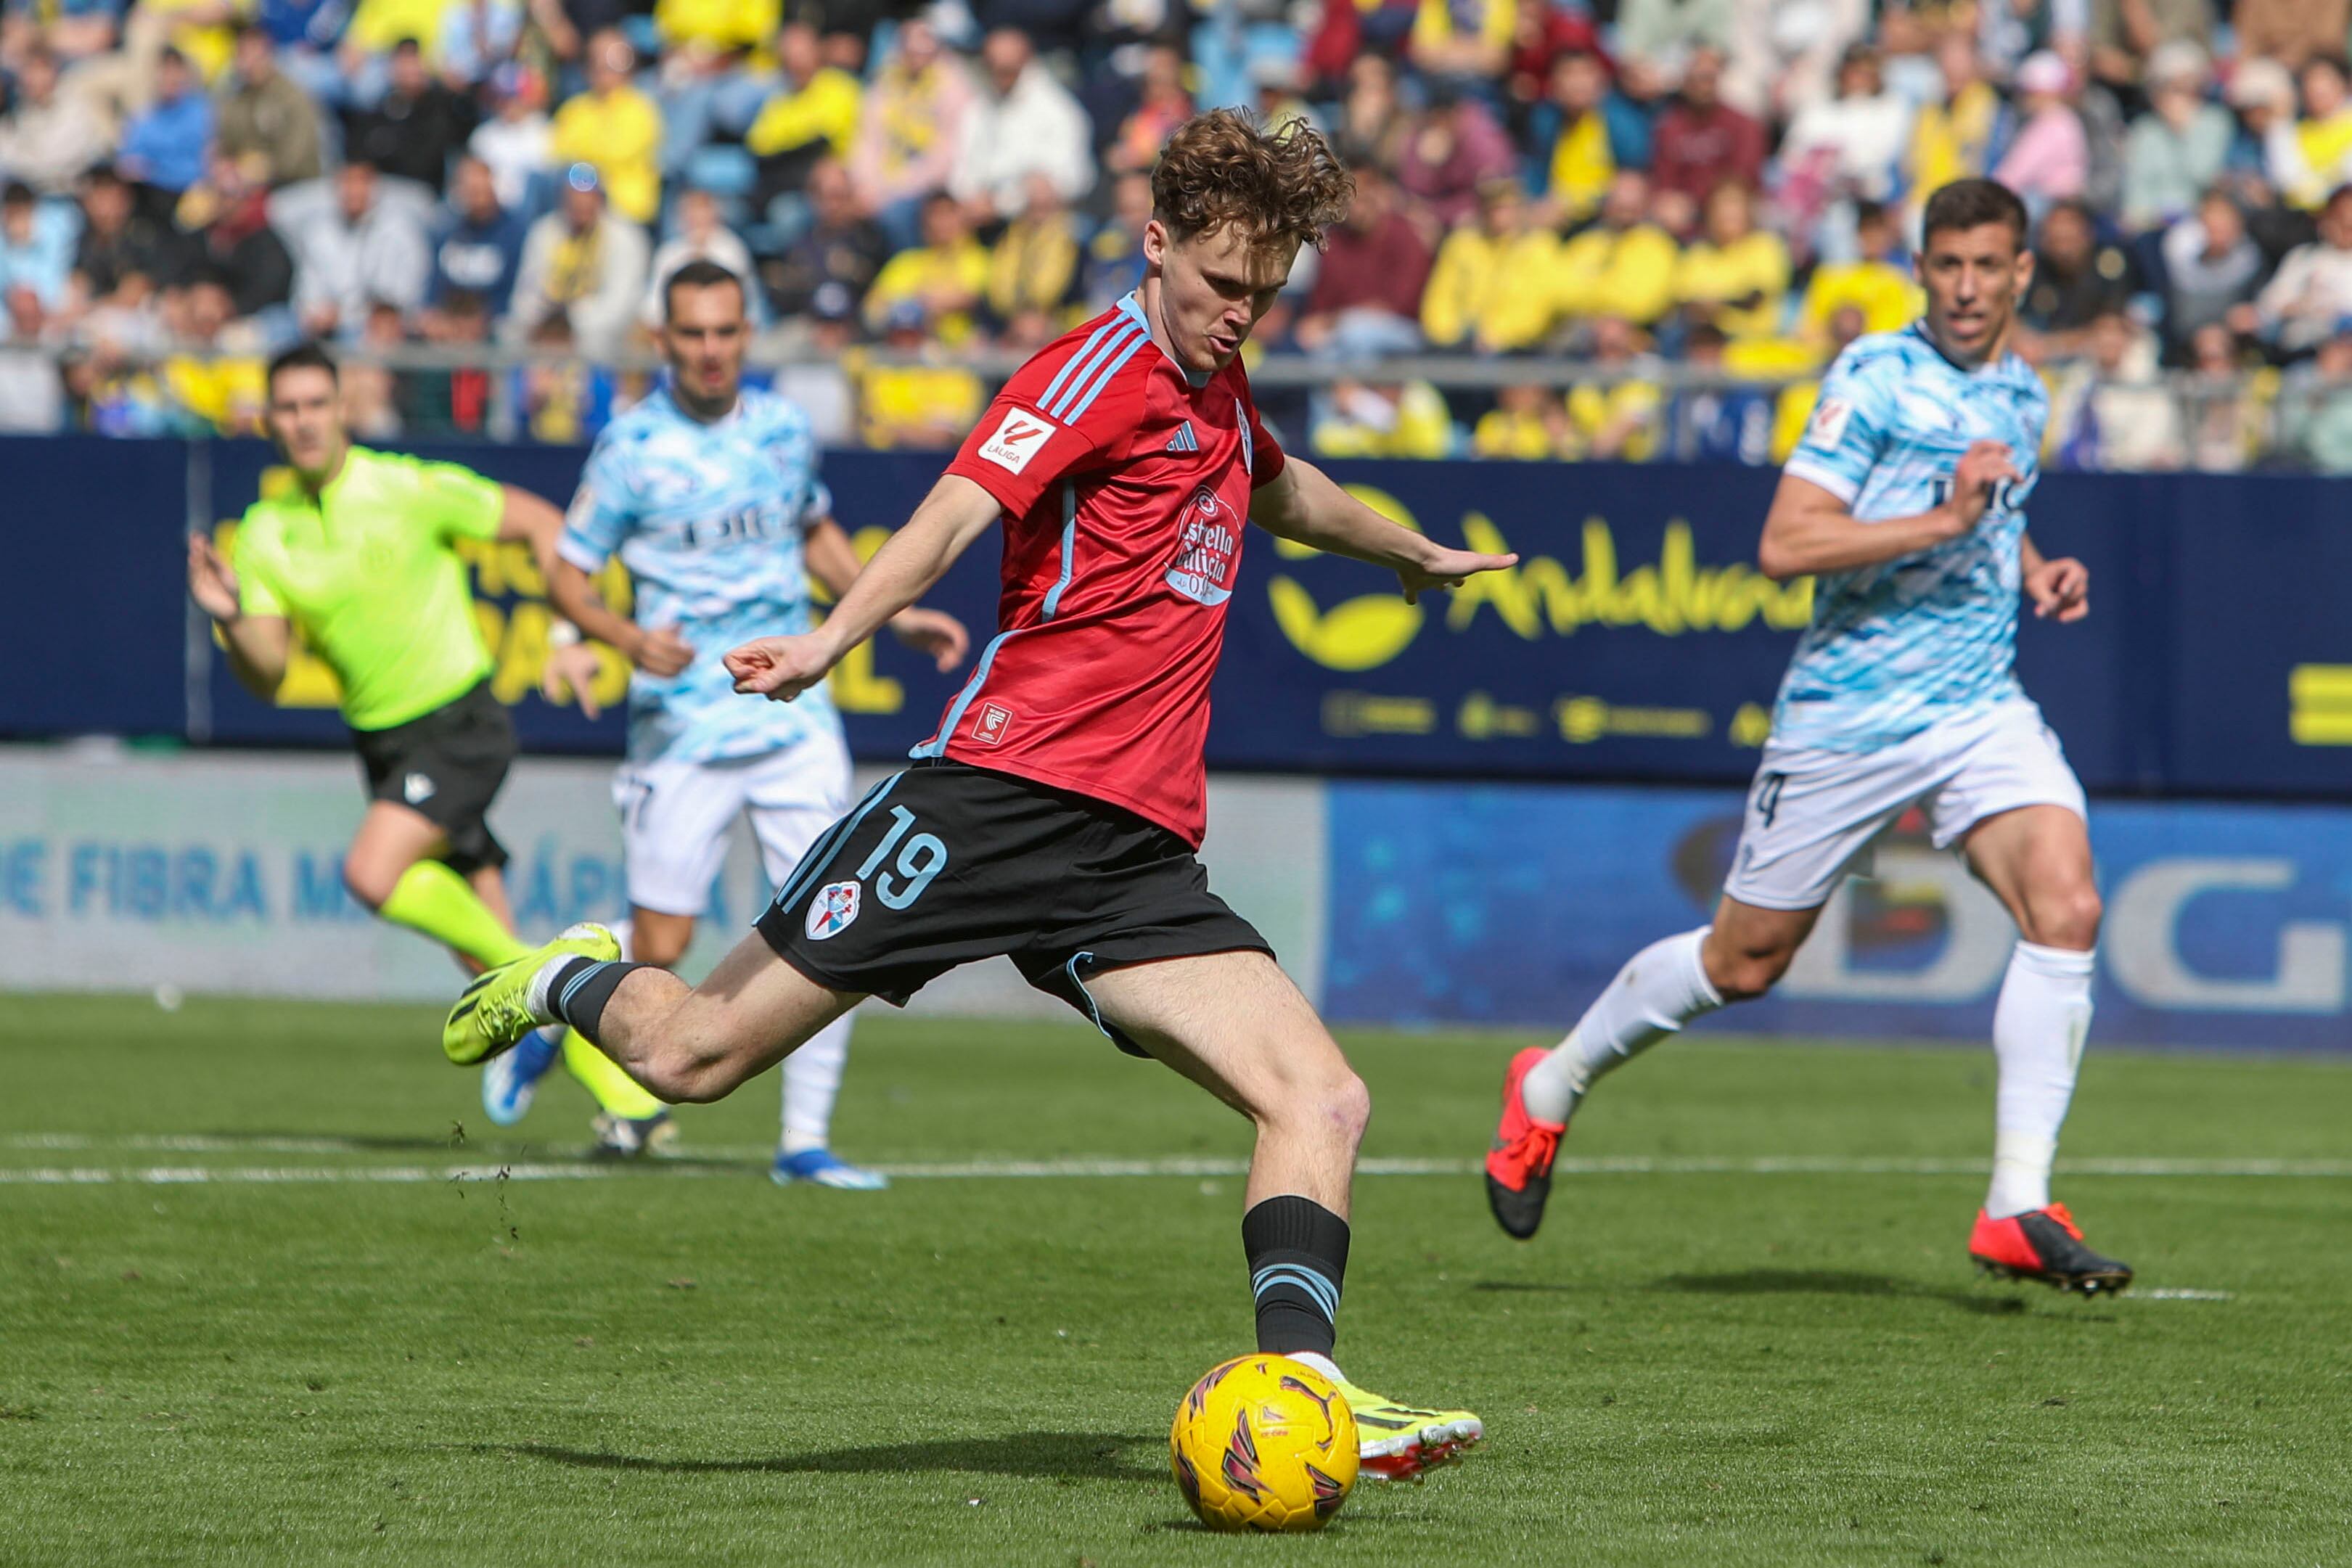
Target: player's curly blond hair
{"points": [[1284, 186]]}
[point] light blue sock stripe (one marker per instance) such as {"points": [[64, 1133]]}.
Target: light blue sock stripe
{"points": [[1110, 357], [1086, 399], [821, 853], [1319, 1288], [1088, 347], [572, 988]]}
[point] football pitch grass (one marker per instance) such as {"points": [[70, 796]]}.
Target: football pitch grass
{"points": [[248, 1315]]}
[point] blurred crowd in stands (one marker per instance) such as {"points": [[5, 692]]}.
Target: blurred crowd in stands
{"points": [[1683, 207]]}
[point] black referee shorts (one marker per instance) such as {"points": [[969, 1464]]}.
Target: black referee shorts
{"points": [[445, 764], [945, 863]]}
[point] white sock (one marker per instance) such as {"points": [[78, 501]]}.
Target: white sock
{"points": [[812, 1079], [1322, 1363], [2037, 1037], [1661, 989], [625, 931], [535, 999]]}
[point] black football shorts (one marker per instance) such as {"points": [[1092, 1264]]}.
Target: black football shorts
{"points": [[445, 764], [945, 863]]}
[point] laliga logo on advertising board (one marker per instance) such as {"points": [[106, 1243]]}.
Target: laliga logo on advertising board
{"points": [[1670, 597]]}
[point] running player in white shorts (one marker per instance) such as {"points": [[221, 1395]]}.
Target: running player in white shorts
{"points": [[1904, 501], [709, 493]]}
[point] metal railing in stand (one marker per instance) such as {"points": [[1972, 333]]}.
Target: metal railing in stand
{"points": [[2219, 423]]}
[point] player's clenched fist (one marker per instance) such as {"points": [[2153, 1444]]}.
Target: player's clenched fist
{"points": [[1984, 467], [211, 583], [778, 668], [2059, 590]]}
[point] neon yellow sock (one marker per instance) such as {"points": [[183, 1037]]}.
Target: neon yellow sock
{"points": [[431, 898], [614, 1090]]}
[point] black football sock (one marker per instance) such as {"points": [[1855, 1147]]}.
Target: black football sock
{"points": [[1298, 1256], [578, 989]]}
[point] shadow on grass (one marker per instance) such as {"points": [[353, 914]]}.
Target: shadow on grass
{"points": [[1079, 1455], [1833, 1282]]}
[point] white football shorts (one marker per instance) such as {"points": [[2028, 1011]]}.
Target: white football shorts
{"points": [[1812, 815], [675, 818]]}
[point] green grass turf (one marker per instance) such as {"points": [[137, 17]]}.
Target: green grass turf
{"points": [[688, 1364]]}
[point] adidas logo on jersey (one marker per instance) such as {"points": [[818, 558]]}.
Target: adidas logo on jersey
{"points": [[1185, 440]]}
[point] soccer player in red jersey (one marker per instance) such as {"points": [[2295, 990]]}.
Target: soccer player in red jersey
{"points": [[1056, 815]]}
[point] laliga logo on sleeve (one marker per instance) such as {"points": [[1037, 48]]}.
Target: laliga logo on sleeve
{"points": [[833, 909], [1020, 437]]}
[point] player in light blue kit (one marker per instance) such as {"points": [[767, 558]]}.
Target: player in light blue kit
{"points": [[709, 493], [1905, 501]]}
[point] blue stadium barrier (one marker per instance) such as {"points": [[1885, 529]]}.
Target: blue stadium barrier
{"points": [[1634, 640]]}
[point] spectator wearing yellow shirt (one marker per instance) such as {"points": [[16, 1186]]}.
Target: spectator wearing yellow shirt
{"points": [[615, 129], [1598, 135], [1468, 38], [1526, 424], [914, 405], [946, 274], [1616, 415], [811, 116], [1034, 265], [1874, 284], [1734, 275], [2323, 137], [1490, 288], [225, 393], [1622, 264], [1390, 419], [714, 71], [909, 131], [1952, 140]]}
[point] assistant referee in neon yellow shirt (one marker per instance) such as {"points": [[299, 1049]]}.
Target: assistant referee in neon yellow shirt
{"points": [[361, 555]]}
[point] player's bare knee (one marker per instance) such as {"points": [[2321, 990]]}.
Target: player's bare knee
{"points": [[1335, 1109], [1742, 973], [2067, 917], [369, 882]]}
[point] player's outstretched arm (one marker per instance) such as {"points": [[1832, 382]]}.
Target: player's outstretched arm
{"points": [[1809, 530], [833, 561], [1305, 504], [258, 646], [955, 513], [659, 651]]}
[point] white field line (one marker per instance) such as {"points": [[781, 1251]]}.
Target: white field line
{"points": [[487, 1168]]}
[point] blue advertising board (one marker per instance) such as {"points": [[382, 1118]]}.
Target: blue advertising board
{"points": [[2226, 924], [1634, 640]]}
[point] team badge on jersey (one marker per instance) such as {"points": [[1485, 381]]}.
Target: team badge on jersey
{"points": [[1206, 541], [832, 910], [994, 719], [1020, 437]]}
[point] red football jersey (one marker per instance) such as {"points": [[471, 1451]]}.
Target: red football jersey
{"points": [[1126, 486]]}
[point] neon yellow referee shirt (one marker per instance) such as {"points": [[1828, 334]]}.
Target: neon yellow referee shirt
{"points": [[368, 573]]}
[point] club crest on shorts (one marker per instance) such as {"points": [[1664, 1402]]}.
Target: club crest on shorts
{"points": [[833, 909], [416, 789]]}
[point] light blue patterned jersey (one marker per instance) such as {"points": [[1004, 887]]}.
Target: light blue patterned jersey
{"points": [[710, 520], [1897, 647]]}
